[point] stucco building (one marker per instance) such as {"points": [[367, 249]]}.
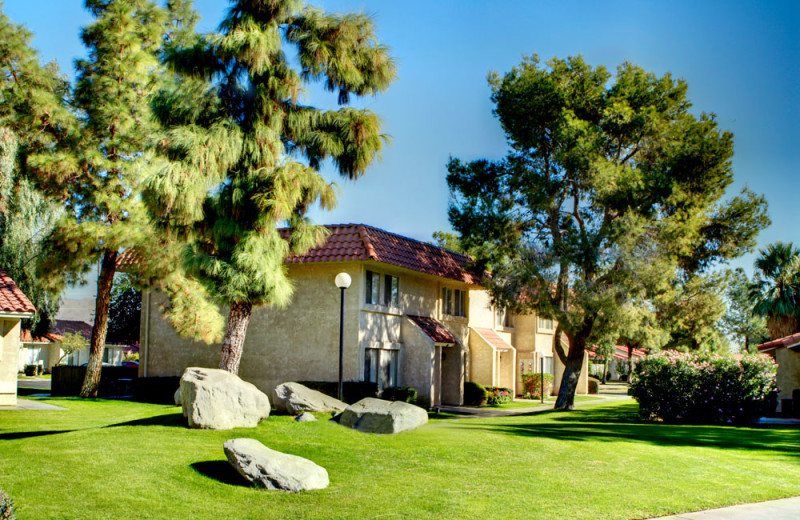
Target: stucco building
{"points": [[14, 306], [415, 315], [786, 352]]}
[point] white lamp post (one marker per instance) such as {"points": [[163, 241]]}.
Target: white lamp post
{"points": [[342, 281]]}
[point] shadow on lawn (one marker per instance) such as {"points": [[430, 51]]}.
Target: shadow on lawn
{"points": [[623, 424], [168, 419], [221, 471], [10, 436]]}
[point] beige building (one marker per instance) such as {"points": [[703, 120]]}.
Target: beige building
{"points": [[14, 306], [45, 351], [786, 352], [414, 316]]}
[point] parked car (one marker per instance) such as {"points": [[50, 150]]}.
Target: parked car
{"points": [[130, 364]]}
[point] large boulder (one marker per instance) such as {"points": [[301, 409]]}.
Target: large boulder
{"points": [[272, 469], [295, 398], [219, 400], [372, 415]]}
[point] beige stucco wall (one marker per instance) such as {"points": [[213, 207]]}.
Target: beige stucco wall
{"points": [[9, 352], [788, 371], [301, 342], [483, 360]]}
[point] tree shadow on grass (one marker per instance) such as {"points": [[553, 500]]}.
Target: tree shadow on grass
{"points": [[221, 471], [10, 436], [169, 419], [623, 424]]}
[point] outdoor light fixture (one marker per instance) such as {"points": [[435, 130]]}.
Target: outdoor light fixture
{"points": [[342, 281]]}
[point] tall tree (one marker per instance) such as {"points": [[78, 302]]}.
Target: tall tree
{"points": [[610, 190], [244, 154], [740, 320], [33, 117], [98, 176], [775, 292]]}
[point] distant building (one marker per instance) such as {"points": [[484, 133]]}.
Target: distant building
{"points": [[14, 306]]}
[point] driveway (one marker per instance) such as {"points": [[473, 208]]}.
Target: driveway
{"points": [[39, 384]]}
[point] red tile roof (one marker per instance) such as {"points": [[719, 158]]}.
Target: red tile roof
{"points": [[493, 338], [433, 329], [788, 341], [361, 242], [620, 352], [127, 258], [62, 327], [12, 299], [26, 337], [57, 332]]}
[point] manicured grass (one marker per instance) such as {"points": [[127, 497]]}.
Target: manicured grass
{"points": [[533, 403], [116, 459]]}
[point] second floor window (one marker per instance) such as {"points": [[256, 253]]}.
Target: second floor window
{"points": [[373, 287], [545, 324], [453, 302], [391, 289], [504, 318]]}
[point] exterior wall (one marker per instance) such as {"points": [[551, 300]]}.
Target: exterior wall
{"points": [[788, 371], [298, 343], [9, 352], [481, 310], [507, 369], [483, 361], [417, 362]]}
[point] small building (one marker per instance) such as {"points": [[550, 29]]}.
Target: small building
{"points": [[620, 355], [14, 307], [45, 350], [415, 315], [786, 352]]}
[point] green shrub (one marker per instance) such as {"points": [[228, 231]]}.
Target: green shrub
{"points": [[475, 394], [532, 384], [499, 395], [31, 370], [594, 385], [6, 507], [400, 393], [704, 388]]}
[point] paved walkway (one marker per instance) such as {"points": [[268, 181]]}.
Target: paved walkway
{"points": [[472, 412], [29, 404], [783, 509]]}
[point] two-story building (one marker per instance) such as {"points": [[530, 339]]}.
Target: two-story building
{"points": [[415, 315]]}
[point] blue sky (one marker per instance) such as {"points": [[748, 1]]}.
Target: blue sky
{"points": [[741, 60]]}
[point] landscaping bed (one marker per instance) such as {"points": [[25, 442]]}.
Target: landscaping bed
{"points": [[119, 459]]}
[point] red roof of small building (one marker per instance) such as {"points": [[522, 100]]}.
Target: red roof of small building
{"points": [[493, 338], [361, 242], [57, 332], [620, 352], [788, 341], [433, 329], [12, 299]]}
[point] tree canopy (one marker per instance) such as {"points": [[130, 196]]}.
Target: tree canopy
{"points": [[775, 291], [243, 154], [612, 189]]}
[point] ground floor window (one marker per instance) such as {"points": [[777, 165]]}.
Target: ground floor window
{"points": [[380, 366]]}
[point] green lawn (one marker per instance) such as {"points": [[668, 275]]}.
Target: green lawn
{"points": [[116, 459]]}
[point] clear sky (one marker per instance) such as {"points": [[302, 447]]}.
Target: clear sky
{"points": [[741, 60]]}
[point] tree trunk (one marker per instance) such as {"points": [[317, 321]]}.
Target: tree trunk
{"points": [[233, 345], [630, 362], [782, 326], [572, 374], [98, 343]]}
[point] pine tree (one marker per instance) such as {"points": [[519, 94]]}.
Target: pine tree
{"points": [[244, 154], [99, 174], [611, 191], [33, 117]]}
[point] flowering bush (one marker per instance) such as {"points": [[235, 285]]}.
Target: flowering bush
{"points": [[499, 395], [532, 384], [704, 388]]}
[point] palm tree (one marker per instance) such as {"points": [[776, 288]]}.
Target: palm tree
{"points": [[775, 293]]}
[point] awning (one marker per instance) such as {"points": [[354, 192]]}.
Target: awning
{"points": [[433, 329]]}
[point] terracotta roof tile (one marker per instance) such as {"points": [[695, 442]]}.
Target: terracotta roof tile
{"points": [[361, 242], [493, 338], [433, 329], [12, 299], [62, 327], [26, 337], [620, 352], [788, 341]]}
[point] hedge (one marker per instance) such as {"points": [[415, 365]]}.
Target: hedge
{"points": [[474, 394], [400, 393], [704, 388], [594, 385]]}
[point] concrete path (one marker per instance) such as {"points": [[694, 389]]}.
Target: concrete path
{"points": [[471, 412], [783, 509], [41, 384], [29, 404]]}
